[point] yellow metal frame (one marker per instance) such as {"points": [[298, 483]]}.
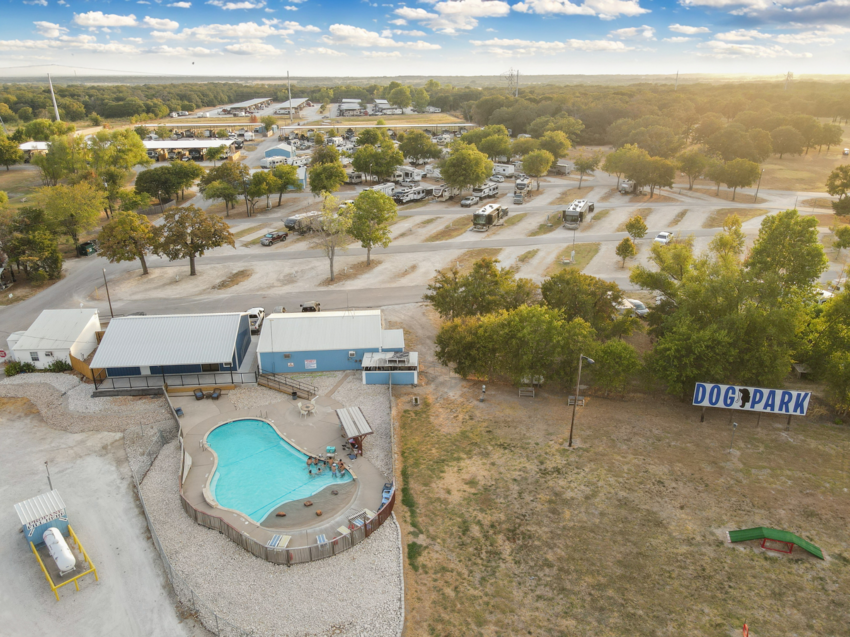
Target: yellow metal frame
{"points": [[86, 557]]}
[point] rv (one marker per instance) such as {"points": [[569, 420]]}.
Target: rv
{"points": [[506, 170], [444, 193], [574, 215], [406, 173], [521, 184], [386, 188], [628, 187], [302, 223], [487, 190], [298, 161], [267, 163], [411, 194], [354, 178], [490, 215]]}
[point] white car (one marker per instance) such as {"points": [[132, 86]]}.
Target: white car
{"points": [[664, 238], [497, 179], [470, 201], [639, 308]]}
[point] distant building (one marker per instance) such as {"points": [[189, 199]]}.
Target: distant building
{"points": [[281, 150], [54, 335]]}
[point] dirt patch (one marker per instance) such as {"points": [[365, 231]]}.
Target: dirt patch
{"points": [[641, 212], [584, 254], [570, 194], [412, 229], [827, 220], [527, 256], [465, 261], [544, 228], [816, 203], [246, 231], [657, 198], [512, 220], [608, 196], [716, 218], [350, 272], [454, 229], [726, 195], [597, 216], [240, 276], [23, 289], [678, 218]]}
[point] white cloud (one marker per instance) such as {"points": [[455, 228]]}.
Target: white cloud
{"points": [[681, 28], [63, 3], [99, 19], [678, 39], [718, 49], [319, 50], [633, 32], [49, 30], [180, 5], [234, 6], [413, 34], [451, 16], [604, 9], [381, 54], [347, 35], [252, 48], [179, 51], [819, 36], [84, 42], [505, 47], [137, 1], [241, 31], [40, 3], [134, 40], [288, 8], [163, 24], [400, 22]]}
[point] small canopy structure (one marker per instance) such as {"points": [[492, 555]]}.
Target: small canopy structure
{"points": [[354, 424], [766, 533]]}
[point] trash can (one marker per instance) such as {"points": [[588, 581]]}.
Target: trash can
{"points": [[295, 395]]}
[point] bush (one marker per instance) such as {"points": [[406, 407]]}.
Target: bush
{"points": [[59, 365], [13, 368]]}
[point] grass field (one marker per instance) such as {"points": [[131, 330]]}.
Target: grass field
{"points": [[246, 231], [678, 218], [509, 533], [584, 253], [597, 216], [716, 218], [642, 212], [465, 261], [741, 196], [571, 194], [452, 230]]}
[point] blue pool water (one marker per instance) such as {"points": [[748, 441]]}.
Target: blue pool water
{"points": [[258, 470]]}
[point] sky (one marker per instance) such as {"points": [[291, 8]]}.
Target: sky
{"points": [[422, 37]]}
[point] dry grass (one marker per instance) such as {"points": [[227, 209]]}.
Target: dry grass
{"points": [[827, 220], [608, 196], [240, 276], [544, 228], [465, 261], [413, 205], [454, 229], [815, 203], [350, 272], [421, 224], [584, 254], [641, 212], [19, 183], [570, 194], [740, 196], [527, 256], [597, 216], [246, 231], [512, 220], [23, 289], [802, 172], [657, 198], [716, 218], [678, 218], [516, 535]]}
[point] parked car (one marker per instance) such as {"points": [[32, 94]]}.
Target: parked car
{"points": [[311, 306], [468, 202], [255, 318], [273, 237], [847, 151], [664, 238], [497, 178], [639, 308]]}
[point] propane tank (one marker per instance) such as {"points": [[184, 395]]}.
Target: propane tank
{"points": [[59, 551]]}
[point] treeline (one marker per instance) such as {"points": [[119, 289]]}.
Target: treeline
{"points": [[720, 317]]}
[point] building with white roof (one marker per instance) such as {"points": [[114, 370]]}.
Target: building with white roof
{"points": [[54, 335], [323, 341]]}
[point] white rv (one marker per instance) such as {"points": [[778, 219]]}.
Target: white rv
{"points": [[411, 194], [487, 190], [506, 170], [386, 188], [444, 193], [267, 163], [354, 178], [490, 215]]}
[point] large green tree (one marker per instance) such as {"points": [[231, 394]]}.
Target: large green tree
{"points": [[373, 214], [616, 363], [72, 210], [129, 236], [332, 232], [417, 147], [495, 146], [740, 173], [287, 180], [10, 154], [787, 140], [556, 142], [188, 232], [326, 178], [160, 183], [693, 163], [537, 163], [466, 167]]}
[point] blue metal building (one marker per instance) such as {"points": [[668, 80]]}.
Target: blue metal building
{"points": [[176, 344], [281, 150]]}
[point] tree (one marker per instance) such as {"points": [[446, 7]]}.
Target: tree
{"points": [[537, 164], [188, 232], [269, 121], [578, 295], [731, 143], [231, 174], [417, 147], [224, 191], [523, 146], [326, 178], [787, 139], [616, 363], [160, 183], [658, 141], [10, 154], [215, 153], [386, 160], [287, 179], [636, 227], [480, 134], [466, 167], [131, 201], [626, 249], [71, 210], [730, 242], [324, 154], [570, 126], [762, 144], [372, 136], [495, 146], [121, 149], [841, 238], [556, 142], [716, 172], [420, 99], [129, 236], [838, 183], [788, 251], [740, 173], [616, 162], [263, 184], [332, 233], [693, 163], [221, 133], [400, 97], [831, 134], [185, 174], [371, 218], [660, 173], [65, 156], [38, 253], [586, 165], [4, 199]]}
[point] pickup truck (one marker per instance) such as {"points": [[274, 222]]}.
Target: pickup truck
{"points": [[273, 237], [255, 319]]}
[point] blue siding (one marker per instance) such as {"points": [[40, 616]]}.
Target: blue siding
{"points": [[112, 372], [175, 369], [327, 361], [280, 152], [383, 378], [243, 340]]}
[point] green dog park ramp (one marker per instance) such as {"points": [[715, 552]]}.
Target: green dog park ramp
{"points": [[766, 533]]}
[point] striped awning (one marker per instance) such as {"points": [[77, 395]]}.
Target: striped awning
{"points": [[353, 422]]}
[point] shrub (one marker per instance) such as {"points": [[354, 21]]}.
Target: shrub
{"points": [[59, 365], [13, 368]]}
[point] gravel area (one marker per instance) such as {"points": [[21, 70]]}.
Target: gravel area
{"points": [[374, 402], [248, 397], [62, 382], [357, 593]]}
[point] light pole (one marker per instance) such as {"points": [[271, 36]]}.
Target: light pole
{"points": [[756, 198], [590, 361], [106, 285]]}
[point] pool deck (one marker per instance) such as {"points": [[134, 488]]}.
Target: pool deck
{"points": [[312, 435]]}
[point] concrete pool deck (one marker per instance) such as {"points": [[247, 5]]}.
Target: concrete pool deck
{"points": [[312, 435]]}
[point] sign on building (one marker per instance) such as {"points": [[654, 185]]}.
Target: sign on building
{"points": [[310, 363], [770, 401]]}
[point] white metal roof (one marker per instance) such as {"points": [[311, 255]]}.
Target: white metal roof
{"points": [[353, 422], [34, 146], [349, 107], [57, 329], [393, 339], [250, 103], [322, 331], [350, 100], [45, 506], [179, 144], [293, 103], [381, 102], [180, 339], [371, 359]]}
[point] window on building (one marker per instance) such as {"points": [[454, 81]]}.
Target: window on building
{"points": [[34, 356], [49, 354], [287, 356], [209, 367]]}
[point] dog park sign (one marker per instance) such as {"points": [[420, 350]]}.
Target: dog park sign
{"points": [[767, 401]]}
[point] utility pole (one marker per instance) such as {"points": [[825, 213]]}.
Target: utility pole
{"points": [[55, 108], [289, 89], [756, 198], [108, 298], [788, 77], [676, 88], [578, 389]]}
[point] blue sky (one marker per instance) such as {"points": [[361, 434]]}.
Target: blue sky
{"points": [[422, 37]]}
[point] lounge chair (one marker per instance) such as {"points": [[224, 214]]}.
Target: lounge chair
{"points": [[216, 393], [321, 540], [343, 530], [199, 395], [279, 542]]}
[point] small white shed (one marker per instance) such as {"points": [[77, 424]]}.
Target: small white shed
{"points": [[54, 335]]}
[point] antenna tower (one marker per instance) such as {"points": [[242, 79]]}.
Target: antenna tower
{"points": [[788, 77], [512, 78]]}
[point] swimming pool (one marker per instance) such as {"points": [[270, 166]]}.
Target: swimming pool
{"points": [[257, 470]]}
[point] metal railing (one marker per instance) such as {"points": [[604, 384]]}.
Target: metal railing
{"points": [[176, 380], [287, 385]]}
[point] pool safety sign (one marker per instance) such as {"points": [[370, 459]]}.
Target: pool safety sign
{"points": [[310, 363], [769, 401]]}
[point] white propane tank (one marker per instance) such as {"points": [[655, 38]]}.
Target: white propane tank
{"points": [[59, 550]]}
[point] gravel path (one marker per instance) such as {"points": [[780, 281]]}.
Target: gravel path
{"points": [[374, 402], [357, 593]]}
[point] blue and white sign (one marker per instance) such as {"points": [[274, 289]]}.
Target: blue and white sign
{"points": [[770, 401]]}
